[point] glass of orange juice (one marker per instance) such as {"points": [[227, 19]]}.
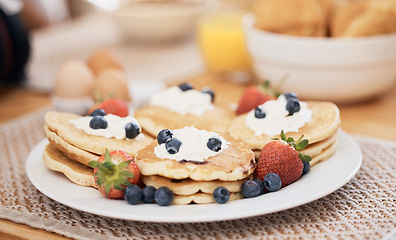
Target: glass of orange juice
{"points": [[222, 43]]}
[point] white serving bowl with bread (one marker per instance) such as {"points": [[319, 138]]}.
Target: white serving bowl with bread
{"points": [[341, 70]]}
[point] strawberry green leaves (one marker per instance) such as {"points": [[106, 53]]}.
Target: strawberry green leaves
{"points": [[111, 175], [298, 145]]}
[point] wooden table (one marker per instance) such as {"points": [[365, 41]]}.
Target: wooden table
{"points": [[376, 118]]}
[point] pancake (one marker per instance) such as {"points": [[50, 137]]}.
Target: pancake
{"points": [[74, 171], [312, 149], [324, 123], [325, 154], [83, 176], [201, 198], [316, 148], [59, 123], [189, 186], [153, 119], [72, 152], [233, 163]]}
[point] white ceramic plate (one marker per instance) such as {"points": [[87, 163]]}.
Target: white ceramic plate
{"points": [[323, 179]]}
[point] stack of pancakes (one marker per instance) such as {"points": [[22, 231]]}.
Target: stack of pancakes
{"points": [[321, 132], [70, 149], [195, 182]]}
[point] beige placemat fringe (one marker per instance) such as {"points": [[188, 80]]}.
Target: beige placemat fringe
{"points": [[365, 208]]}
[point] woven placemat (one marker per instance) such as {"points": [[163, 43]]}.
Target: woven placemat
{"points": [[365, 208]]}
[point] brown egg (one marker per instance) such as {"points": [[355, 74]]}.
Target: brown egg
{"points": [[113, 82], [103, 59], [74, 80]]}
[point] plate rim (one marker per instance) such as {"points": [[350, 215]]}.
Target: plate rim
{"points": [[33, 158]]}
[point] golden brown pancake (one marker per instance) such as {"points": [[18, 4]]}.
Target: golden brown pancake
{"points": [[231, 164], [189, 186], [72, 152], [153, 119], [74, 171], [201, 198], [325, 122], [325, 154], [83, 176], [312, 149], [59, 123]]}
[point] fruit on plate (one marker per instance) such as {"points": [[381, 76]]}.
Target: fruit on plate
{"points": [[256, 95], [221, 195], [113, 106], [272, 182], [250, 189], [113, 172], [163, 196], [282, 157]]}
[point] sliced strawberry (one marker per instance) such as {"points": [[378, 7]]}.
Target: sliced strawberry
{"points": [[113, 172], [282, 157], [113, 106]]}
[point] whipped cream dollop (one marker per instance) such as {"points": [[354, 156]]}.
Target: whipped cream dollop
{"points": [[115, 128], [194, 145], [277, 118], [183, 102]]}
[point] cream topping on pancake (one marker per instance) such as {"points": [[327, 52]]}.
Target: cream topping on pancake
{"points": [[194, 145], [183, 102], [277, 118], [115, 128]]}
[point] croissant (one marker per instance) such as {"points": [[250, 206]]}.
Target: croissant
{"points": [[363, 18], [294, 17]]}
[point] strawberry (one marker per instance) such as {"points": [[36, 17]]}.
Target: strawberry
{"points": [[113, 172], [251, 98], [256, 95], [113, 106], [282, 157]]}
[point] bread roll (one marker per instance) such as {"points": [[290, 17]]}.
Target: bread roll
{"points": [[294, 17], [363, 18]]}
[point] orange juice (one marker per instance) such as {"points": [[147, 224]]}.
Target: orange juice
{"points": [[222, 43]]}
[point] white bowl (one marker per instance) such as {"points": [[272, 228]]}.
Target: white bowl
{"points": [[157, 21], [338, 70]]}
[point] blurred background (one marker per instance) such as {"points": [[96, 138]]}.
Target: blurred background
{"points": [[337, 50]]}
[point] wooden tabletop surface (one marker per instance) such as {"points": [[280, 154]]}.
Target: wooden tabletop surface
{"points": [[376, 118]]}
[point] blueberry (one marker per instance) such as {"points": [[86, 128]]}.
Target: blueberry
{"points": [[261, 185], [290, 95], [214, 144], [163, 196], [221, 195], [185, 86], [131, 130], [210, 92], [250, 189], [272, 182], [306, 168], [164, 135], [98, 112], [148, 194], [292, 105], [133, 194], [98, 122], [172, 145], [259, 113]]}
